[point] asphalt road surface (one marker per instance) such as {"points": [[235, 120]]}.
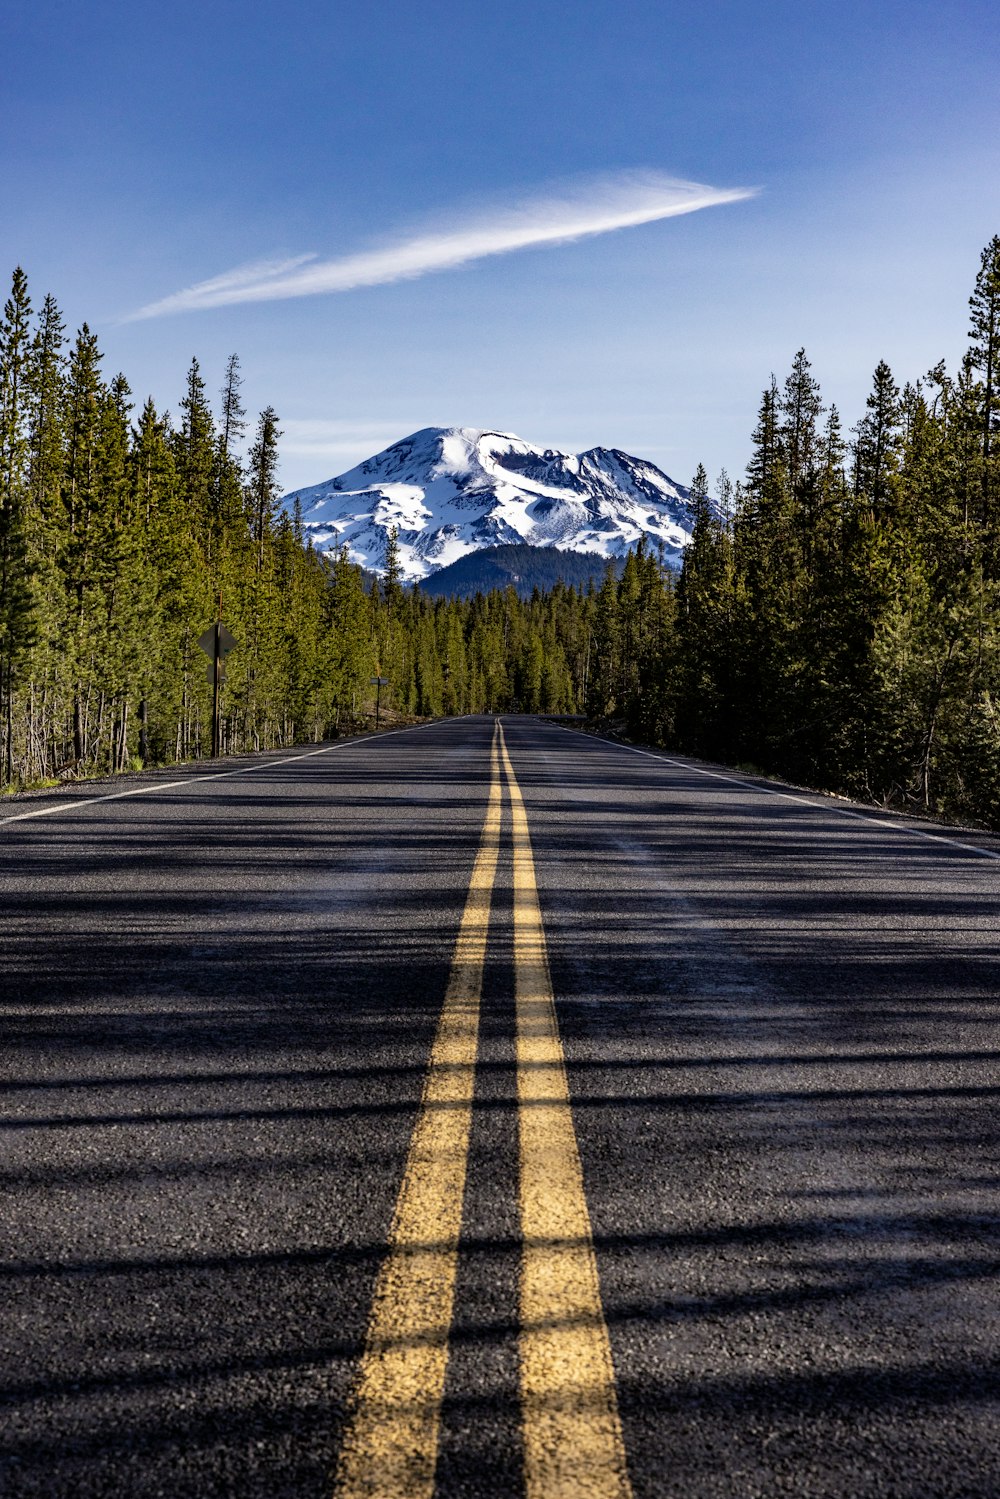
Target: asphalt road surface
{"points": [[503, 1112]]}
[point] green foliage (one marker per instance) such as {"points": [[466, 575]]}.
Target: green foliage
{"points": [[16, 595], [836, 619], [842, 629], [124, 536]]}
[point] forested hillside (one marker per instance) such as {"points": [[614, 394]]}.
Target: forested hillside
{"points": [[520, 566], [835, 621]]}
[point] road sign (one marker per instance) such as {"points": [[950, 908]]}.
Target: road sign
{"points": [[216, 642], [227, 642], [378, 683]]}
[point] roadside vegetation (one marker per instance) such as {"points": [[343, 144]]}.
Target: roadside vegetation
{"points": [[836, 621]]}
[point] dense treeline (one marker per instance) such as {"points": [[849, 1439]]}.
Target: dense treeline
{"points": [[119, 533], [124, 534], [835, 620], [839, 622]]}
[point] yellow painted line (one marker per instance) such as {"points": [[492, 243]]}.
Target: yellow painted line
{"points": [[390, 1450], [572, 1432]]}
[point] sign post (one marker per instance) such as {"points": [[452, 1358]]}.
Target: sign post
{"points": [[378, 683], [216, 642]]}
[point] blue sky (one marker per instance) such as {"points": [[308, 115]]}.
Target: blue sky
{"points": [[146, 149]]}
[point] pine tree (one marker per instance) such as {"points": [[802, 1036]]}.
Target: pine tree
{"points": [[263, 492], [351, 650], [984, 351], [46, 377], [703, 605], [800, 408], [767, 448], [47, 370], [603, 676], [82, 502], [195, 458], [769, 587], [154, 508], [233, 424], [126, 606], [877, 444], [16, 600], [227, 476]]}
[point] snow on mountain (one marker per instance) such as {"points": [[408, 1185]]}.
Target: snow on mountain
{"points": [[449, 491]]}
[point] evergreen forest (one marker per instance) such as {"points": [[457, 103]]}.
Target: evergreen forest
{"points": [[836, 620]]}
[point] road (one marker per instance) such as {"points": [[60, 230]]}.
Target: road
{"points": [[495, 1111]]}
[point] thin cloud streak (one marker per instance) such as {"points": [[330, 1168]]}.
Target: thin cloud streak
{"points": [[597, 206]]}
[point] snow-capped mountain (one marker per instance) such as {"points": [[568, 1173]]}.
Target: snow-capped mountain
{"points": [[452, 490]]}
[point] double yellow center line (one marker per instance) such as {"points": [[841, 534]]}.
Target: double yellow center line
{"points": [[573, 1445]]}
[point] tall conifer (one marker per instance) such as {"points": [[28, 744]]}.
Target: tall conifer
{"points": [[984, 351], [16, 600]]}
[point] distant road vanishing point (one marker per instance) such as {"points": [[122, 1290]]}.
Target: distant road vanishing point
{"points": [[489, 1109]]}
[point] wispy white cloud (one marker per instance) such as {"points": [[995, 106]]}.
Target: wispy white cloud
{"points": [[596, 205]]}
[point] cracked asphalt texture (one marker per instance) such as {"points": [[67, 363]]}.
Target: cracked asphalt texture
{"points": [[781, 1032]]}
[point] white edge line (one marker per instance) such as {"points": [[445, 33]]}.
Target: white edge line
{"points": [[788, 796], [199, 780]]}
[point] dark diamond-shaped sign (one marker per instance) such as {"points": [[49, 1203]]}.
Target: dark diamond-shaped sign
{"points": [[227, 642]]}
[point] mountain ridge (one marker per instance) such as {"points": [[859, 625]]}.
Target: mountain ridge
{"points": [[452, 491]]}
